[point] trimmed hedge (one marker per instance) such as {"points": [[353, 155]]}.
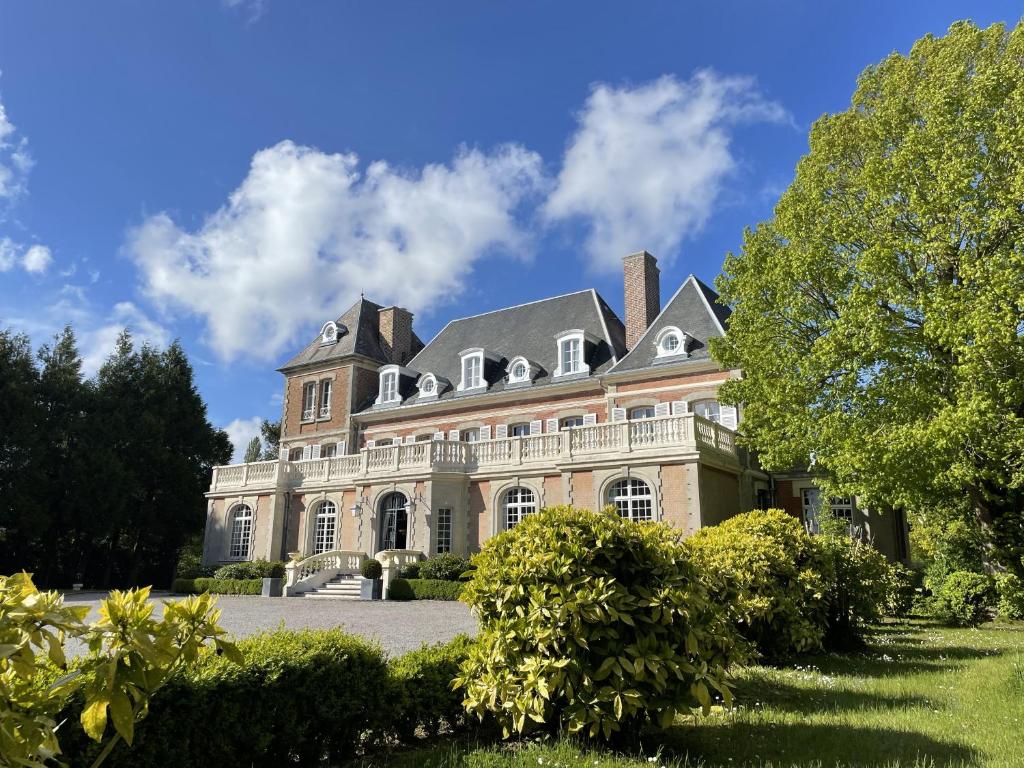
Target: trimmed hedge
{"points": [[309, 697], [251, 569], [424, 589], [218, 586], [447, 567]]}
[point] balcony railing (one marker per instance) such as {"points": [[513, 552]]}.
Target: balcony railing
{"points": [[579, 444]]}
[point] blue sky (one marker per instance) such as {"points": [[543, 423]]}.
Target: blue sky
{"points": [[234, 173]]}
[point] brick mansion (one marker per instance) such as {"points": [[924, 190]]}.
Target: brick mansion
{"points": [[390, 445]]}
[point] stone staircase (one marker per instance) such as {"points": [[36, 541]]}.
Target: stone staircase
{"points": [[345, 586]]}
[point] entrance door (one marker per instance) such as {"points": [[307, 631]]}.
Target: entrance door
{"points": [[394, 521]]}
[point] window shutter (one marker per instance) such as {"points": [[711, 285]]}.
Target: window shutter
{"points": [[453, 434], [315, 452], [340, 451], [439, 435], [680, 408], [618, 414], [728, 416], [485, 432], [283, 454], [501, 431], [589, 419], [371, 443], [552, 425], [536, 427], [307, 452], [661, 409]]}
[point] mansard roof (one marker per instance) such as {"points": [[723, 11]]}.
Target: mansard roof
{"points": [[694, 310], [526, 330], [361, 337]]}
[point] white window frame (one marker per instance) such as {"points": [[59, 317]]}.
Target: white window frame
{"points": [[329, 333], [519, 429], [326, 387], [444, 531], [470, 435], [309, 400], [471, 358], [663, 337], [427, 380], [325, 528], [649, 412], [633, 499], [388, 383], [516, 504], [240, 545], [572, 366], [526, 377], [704, 404]]}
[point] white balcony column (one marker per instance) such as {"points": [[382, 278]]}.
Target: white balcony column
{"points": [[566, 435], [245, 474], [517, 451], [364, 459], [626, 439]]}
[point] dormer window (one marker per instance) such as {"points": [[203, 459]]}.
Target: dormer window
{"points": [[472, 370], [387, 391], [671, 342], [428, 386], [329, 333], [572, 353], [520, 371]]}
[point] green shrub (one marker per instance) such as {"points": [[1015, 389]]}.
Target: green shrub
{"points": [[310, 697], [423, 700], [775, 582], [400, 589], [409, 571], [902, 585], [190, 560], [1011, 595], [966, 599], [435, 589], [371, 569], [252, 569], [218, 586], [446, 567], [593, 624]]}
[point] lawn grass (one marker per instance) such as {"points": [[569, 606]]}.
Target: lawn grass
{"points": [[917, 695]]}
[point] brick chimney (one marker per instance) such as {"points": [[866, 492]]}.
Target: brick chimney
{"points": [[642, 292], [396, 334]]}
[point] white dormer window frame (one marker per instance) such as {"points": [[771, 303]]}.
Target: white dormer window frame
{"points": [[471, 370], [672, 342], [329, 333], [520, 371], [428, 386], [388, 383], [572, 352]]}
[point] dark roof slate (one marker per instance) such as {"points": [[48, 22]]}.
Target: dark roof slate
{"points": [[526, 330], [695, 310]]}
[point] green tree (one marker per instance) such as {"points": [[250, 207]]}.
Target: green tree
{"points": [[878, 315], [253, 451], [270, 431]]}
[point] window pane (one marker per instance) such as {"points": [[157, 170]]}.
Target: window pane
{"points": [[519, 502], [633, 499], [709, 409], [643, 412], [326, 525], [519, 430], [241, 532], [444, 530]]}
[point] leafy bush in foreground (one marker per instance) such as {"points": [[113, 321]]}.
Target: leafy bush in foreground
{"points": [[592, 623], [1011, 595], [218, 586], [776, 581], [252, 569], [445, 567], [965, 599], [423, 698]]}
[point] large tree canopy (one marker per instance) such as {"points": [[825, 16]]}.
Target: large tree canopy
{"points": [[878, 316]]}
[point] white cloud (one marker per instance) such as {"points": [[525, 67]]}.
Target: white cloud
{"points": [[254, 9], [15, 160], [97, 338], [305, 233], [8, 253], [37, 259], [646, 164], [241, 431]]}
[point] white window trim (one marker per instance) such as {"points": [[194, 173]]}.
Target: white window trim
{"points": [[531, 371], [309, 414], [388, 370], [244, 525], [324, 407], [575, 334], [433, 394], [664, 334], [465, 356], [329, 333]]}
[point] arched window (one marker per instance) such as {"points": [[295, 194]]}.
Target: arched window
{"points": [[241, 532], [709, 409], [633, 499], [394, 521], [518, 503], [326, 527]]}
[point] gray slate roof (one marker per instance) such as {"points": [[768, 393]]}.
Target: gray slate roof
{"points": [[362, 337], [694, 309], [526, 330]]}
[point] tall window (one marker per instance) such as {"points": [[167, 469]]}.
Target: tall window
{"points": [[841, 507], [633, 499], [570, 421], [472, 371], [295, 454], [308, 400], [470, 435], [325, 399], [709, 409], [394, 521], [329, 450], [519, 430], [642, 412], [389, 387], [519, 502], [241, 532], [444, 530], [571, 354], [326, 527]]}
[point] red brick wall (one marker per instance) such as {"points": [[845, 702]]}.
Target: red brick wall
{"points": [[642, 294], [293, 425]]}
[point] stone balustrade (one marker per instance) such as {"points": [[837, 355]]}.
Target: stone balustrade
{"points": [[665, 434]]}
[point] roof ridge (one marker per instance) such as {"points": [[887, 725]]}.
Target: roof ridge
{"points": [[523, 304]]}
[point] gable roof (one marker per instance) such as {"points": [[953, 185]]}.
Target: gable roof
{"points": [[526, 330], [695, 310], [361, 337]]}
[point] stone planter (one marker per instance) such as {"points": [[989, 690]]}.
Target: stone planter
{"points": [[273, 587], [371, 589]]}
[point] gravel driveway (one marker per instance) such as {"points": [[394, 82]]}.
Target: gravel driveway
{"points": [[397, 626]]}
